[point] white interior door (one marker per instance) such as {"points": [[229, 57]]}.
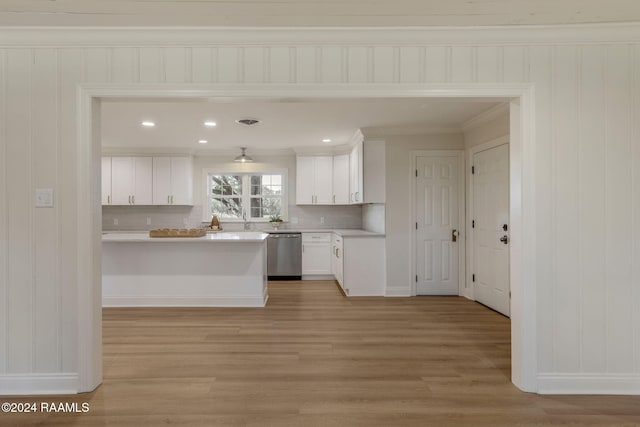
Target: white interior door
{"points": [[491, 228], [436, 220]]}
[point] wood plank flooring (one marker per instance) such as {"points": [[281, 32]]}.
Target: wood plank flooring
{"points": [[315, 358]]}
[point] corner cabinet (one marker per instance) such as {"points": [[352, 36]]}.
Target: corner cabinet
{"points": [[314, 183], [172, 181], [131, 180]]}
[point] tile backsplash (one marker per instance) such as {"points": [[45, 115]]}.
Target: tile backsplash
{"points": [[149, 217], [129, 218], [373, 217]]}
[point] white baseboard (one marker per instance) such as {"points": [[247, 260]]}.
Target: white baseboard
{"points": [[189, 301], [589, 384], [318, 277], [36, 384], [397, 292]]}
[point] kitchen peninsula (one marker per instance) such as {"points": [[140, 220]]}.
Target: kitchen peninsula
{"points": [[217, 270]]}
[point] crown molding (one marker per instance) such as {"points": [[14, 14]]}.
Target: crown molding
{"points": [[486, 116], [38, 37]]}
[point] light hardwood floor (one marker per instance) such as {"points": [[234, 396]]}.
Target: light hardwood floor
{"points": [[315, 358]]}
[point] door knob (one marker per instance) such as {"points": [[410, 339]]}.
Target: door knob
{"points": [[454, 235], [504, 239]]}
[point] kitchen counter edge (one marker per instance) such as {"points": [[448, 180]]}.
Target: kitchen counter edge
{"points": [[226, 237]]}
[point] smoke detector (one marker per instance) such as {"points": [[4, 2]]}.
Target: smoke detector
{"points": [[248, 122]]}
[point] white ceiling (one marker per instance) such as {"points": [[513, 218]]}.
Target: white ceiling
{"points": [[314, 13], [285, 124]]}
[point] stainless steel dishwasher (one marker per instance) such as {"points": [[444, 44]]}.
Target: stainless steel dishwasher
{"points": [[284, 256]]}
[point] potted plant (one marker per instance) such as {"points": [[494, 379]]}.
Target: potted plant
{"points": [[276, 221]]}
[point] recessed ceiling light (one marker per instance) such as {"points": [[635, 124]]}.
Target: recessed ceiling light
{"points": [[210, 124], [148, 124], [202, 141], [326, 140]]}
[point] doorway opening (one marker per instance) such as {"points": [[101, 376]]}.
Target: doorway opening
{"points": [[522, 198]]}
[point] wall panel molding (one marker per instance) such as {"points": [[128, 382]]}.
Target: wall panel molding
{"points": [[567, 108], [382, 36]]}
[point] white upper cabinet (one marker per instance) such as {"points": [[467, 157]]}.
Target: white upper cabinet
{"points": [[172, 181], [341, 179], [131, 180], [304, 180], [355, 174], [106, 180], [314, 180]]}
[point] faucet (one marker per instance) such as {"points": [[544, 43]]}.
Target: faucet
{"points": [[247, 225]]}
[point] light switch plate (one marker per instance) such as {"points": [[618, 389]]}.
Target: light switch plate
{"points": [[44, 197]]}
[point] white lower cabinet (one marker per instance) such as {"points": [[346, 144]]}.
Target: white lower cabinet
{"points": [[360, 266], [357, 263], [316, 254]]}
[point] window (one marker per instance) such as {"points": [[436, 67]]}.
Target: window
{"points": [[256, 196]]}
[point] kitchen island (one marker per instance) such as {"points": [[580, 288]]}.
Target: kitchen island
{"points": [[217, 270]]}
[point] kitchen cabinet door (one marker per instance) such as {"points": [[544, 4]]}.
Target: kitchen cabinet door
{"points": [[181, 181], [162, 180], [304, 180], [106, 180], [355, 174], [172, 181], [339, 262], [314, 180], [316, 258], [121, 180], [316, 253], [131, 180], [323, 180], [341, 179], [143, 181]]}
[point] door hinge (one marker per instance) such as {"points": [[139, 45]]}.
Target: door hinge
{"points": [[473, 223], [509, 294], [416, 173], [416, 278], [416, 225], [473, 170], [473, 277]]}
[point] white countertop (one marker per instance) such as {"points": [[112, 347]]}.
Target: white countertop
{"points": [[237, 237]]}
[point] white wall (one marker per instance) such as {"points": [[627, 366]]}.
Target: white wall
{"points": [[587, 187], [398, 225], [487, 127]]}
